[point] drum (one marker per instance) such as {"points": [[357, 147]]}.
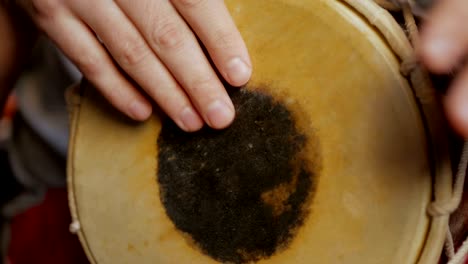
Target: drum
{"points": [[334, 157]]}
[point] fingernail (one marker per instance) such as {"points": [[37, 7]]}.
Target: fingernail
{"points": [[238, 72], [438, 47], [190, 120], [220, 114], [139, 110]]}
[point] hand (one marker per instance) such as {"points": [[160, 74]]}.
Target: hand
{"points": [[444, 48], [154, 42]]}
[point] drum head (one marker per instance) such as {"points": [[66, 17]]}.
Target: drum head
{"points": [[326, 162]]}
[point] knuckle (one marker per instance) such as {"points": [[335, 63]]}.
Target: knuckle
{"points": [[201, 85], [187, 3], [132, 53], [224, 39], [117, 97], [46, 8], [89, 65], [168, 36]]}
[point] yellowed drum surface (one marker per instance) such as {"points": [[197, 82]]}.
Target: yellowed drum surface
{"points": [[339, 78]]}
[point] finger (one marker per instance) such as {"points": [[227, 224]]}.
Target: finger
{"points": [[456, 103], [135, 57], [213, 24], [444, 37], [81, 46], [175, 44]]}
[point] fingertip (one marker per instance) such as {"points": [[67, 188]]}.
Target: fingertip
{"points": [[456, 109], [190, 121], [238, 71], [443, 36], [437, 53], [139, 110], [219, 114]]}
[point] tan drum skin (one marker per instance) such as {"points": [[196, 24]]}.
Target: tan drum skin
{"points": [[340, 77]]}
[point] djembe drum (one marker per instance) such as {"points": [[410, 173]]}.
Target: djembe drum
{"points": [[334, 157]]}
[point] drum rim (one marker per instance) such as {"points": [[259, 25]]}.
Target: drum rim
{"points": [[429, 108]]}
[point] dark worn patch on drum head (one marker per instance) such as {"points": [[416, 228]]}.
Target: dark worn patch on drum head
{"points": [[240, 193]]}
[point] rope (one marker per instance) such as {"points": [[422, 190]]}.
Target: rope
{"points": [[461, 254], [448, 207], [408, 65], [388, 4], [449, 247], [460, 257], [418, 9]]}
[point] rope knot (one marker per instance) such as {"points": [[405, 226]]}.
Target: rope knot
{"points": [[438, 209], [409, 65]]}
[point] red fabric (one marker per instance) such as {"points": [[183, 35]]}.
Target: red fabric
{"points": [[10, 107], [41, 236]]}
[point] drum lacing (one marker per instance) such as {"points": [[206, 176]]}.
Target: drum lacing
{"points": [[389, 5], [437, 208], [448, 207], [409, 64], [396, 5], [452, 205], [442, 208]]}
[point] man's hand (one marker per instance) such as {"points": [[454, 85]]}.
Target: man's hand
{"points": [[444, 49], [155, 43]]}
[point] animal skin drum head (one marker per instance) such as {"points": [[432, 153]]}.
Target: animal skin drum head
{"points": [[326, 162]]}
